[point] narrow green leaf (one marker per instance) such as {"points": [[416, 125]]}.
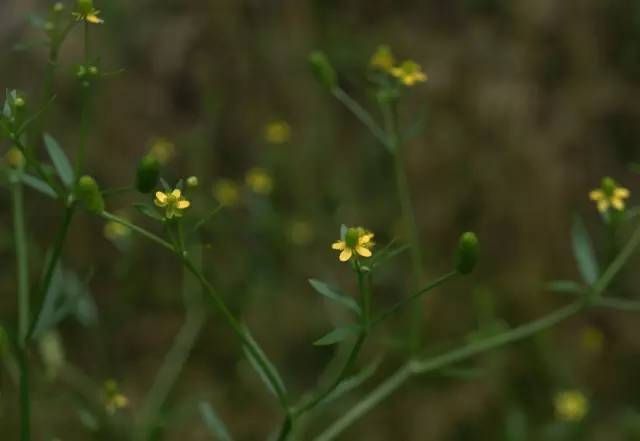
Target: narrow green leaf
{"points": [[38, 185], [60, 160], [336, 336], [213, 422], [264, 369], [583, 252], [335, 294], [148, 211], [565, 286]]}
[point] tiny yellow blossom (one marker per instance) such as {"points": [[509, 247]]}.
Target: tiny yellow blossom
{"points": [[89, 17], [409, 73], [301, 232], [163, 150], [356, 241], [277, 132], [592, 339], [226, 192], [609, 195], [114, 400], [382, 59], [14, 158], [259, 181], [173, 202], [571, 405], [115, 231]]}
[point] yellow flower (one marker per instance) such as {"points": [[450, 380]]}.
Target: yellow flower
{"points": [[113, 398], [259, 181], [356, 242], [382, 59], [163, 150], [14, 158], [609, 195], [409, 73], [89, 17], [173, 202], [277, 132], [226, 192], [115, 231], [571, 405]]}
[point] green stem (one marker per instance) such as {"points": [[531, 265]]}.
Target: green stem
{"points": [[143, 232], [22, 262], [619, 304], [616, 265], [359, 112], [436, 283], [421, 367], [52, 263], [25, 399]]}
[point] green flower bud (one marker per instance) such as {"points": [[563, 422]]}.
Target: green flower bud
{"points": [[467, 253], [609, 186], [19, 102], [351, 237], [92, 70], [89, 194], [148, 174], [58, 7], [192, 181], [322, 69], [85, 7]]}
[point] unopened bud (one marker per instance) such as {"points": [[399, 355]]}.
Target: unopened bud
{"points": [[322, 69], [192, 181], [88, 192], [148, 174], [467, 253]]}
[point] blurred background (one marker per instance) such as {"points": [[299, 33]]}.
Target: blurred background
{"points": [[528, 105]]}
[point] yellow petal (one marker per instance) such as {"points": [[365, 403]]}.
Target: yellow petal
{"points": [[366, 238], [93, 18], [603, 205], [339, 245], [364, 252], [345, 255], [182, 204], [596, 195], [161, 197], [617, 203], [176, 193], [621, 193]]}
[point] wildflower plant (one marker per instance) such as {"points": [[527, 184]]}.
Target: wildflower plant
{"points": [[172, 211]]}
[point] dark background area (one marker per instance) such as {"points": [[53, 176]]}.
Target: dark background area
{"points": [[528, 105]]}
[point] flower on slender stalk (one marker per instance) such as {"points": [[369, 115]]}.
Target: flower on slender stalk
{"points": [[356, 242], [382, 59], [226, 192], [570, 405], [259, 181], [609, 195], [173, 203], [114, 400], [86, 12], [277, 132], [409, 73]]}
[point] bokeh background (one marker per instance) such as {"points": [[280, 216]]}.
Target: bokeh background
{"points": [[528, 105]]}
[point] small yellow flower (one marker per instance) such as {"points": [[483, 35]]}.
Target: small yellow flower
{"points": [[277, 132], [571, 405], [89, 17], [114, 400], [356, 242], [259, 181], [226, 192], [409, 73], [163, 150], [382, 59], [173, 202], [609, 195], [14, 158], [115, 231]]}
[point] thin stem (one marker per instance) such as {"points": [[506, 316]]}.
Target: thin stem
{"points": [[22, 262], [143, 232], [436, 283], [359, 112], [616, 265], [619, 304], [52, 263], [25, 399], [421, 367]]}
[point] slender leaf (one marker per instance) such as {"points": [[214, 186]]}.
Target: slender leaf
{"points": [[60, 160], [38, 185], [335, 294], [565, 286], [213, 422], [263, 371], [583, 252], [336, 336]]}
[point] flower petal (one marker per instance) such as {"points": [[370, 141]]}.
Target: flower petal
{"points": [[364, 252], [596, 195], [603, 205], [176, 193], [345, 255], [338, 245], [617, 203], [182, 204], [621, 193]]}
